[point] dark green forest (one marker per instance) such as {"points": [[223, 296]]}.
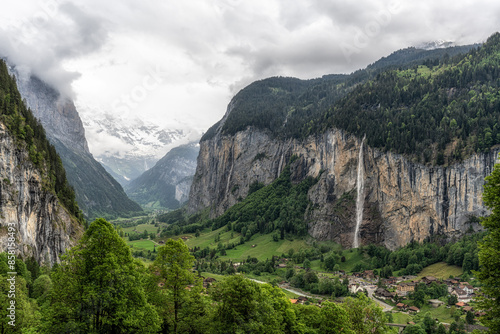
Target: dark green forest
{"points": [[31, 137]]}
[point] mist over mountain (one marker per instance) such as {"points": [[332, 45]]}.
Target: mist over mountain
{"points": [[97, 192], [167, 184]]}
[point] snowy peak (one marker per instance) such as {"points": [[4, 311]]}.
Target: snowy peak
{"points": [[128, 146], [438, 44]]}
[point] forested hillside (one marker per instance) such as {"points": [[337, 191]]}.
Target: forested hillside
{"points": [[31, 137], [436, 106]]}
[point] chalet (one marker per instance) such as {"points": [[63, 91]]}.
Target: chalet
{"points": [[435, 302], [429, 279], [294, 301], [467, 309], [383, 293], [461, 294], [414, 309], [402, 307]]}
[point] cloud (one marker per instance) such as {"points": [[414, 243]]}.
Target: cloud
{"points": [[209, 49], [55, 33]]}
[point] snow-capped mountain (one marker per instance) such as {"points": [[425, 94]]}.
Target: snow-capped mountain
{"points": [[438, 44], [128, 146]]}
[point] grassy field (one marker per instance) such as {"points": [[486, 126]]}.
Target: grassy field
{"points": [[140, 228], [441, 270], [142, 244], [264, 248], [401, 318]]}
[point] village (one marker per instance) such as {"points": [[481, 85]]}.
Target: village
{"points": [[396, 295]]}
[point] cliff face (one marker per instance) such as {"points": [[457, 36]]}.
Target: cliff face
{"points": [[402, 201], [97, 193], [44, 229]]}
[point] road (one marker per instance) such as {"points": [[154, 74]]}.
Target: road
{"points": [[287, 289], [385, 306]]}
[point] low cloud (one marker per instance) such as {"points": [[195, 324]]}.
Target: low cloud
{"points": [[54, 33]]}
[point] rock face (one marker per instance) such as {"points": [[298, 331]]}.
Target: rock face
{"points": [[97, 193], [403, 201], [43, 228], [168, 182]]}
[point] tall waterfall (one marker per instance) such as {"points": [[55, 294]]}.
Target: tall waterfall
{"points": [[360, 200]]}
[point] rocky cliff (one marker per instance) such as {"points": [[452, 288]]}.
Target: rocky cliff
{"points": [[44, 229], [97, 193], [403, 201]]}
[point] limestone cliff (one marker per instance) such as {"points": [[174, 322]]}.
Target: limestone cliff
{"points": [[403, 201], [97, 193], [44, 229]]}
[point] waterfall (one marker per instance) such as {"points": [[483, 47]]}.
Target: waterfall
{"points": [[360, 200]]}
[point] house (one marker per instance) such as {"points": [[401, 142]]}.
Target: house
{"points": [[383, 293], [282, 265], [429, 279], [390, 280], [294, 301], [467, 309], [461, 294], [368, 274], [404, 288], [435, 302], [302, 299], [414, 309], [401, 306], [355, 288], [460, 304]]}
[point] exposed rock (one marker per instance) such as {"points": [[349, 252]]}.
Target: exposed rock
{"points": [[404, 201], [43, 228], [97, 193]]}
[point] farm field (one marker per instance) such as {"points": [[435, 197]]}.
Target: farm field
{"points": [[441, 270]]}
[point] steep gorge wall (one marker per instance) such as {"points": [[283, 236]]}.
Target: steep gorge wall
{"points": [[44, 229], [404, 201]]}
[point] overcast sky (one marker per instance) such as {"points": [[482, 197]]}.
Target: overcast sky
{"points": [[178, 63]]}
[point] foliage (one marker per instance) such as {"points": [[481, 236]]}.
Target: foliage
{"points": [[279, 206], [98, 288], [173, 266], [489, 253]]}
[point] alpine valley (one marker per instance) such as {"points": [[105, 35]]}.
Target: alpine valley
{"points": [[369, 202]]}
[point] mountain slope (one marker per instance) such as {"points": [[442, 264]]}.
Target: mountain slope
{"points": [[37, 206], [317, 127], [137, 143], [167, 183], [97, 193]]}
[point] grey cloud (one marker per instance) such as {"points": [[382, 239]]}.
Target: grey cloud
{"points": [[40, 46]]}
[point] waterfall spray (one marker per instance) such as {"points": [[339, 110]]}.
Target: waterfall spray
{"points": [[360, 200]]}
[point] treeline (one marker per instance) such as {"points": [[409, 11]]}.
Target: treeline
{"points": [[436, 107], [31, 137], [412, 258], [99, 288], [437, 114]]}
